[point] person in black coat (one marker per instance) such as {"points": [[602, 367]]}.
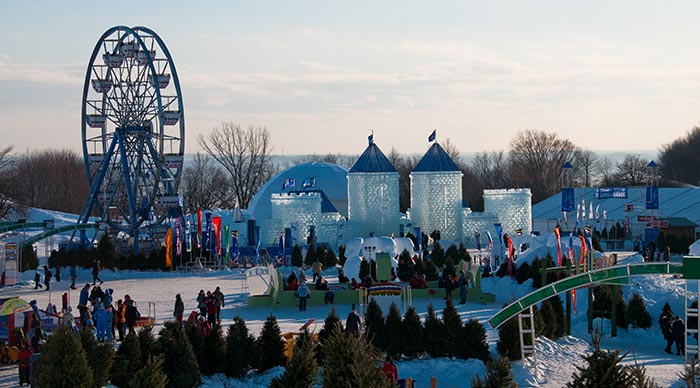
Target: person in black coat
{"points": [[352, 322], [96, 271], [678, 328], [47, 277], [131, 314], [665, 323]]}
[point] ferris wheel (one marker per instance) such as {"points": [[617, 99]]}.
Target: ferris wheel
{"points": [[133, 131]]}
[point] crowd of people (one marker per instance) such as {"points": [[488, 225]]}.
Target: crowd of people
{"points": [[209, 306]]}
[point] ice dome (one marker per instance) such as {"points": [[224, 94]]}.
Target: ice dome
{"points": [[329, 178]]}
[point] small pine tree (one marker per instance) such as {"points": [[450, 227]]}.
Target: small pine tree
{"points": [[192, 332], [374, 324], [271, 345], [147, 341], [405, 268], [330, 259], [241, 352], [99, 356], [474, 344], [430, 271], [434, 333], [452, 335], [412, 334], [29, 258], [452, 253], [331, 323], [179, 361], [151, 375], [549, 320], [310, 255], [302, 368], [106, 251], [438, 255], [508, 344], [638, 374], [63, 359], [637, 314], [297, 256], [352, 362], [213, 351], [690, 376], [392, 332], [127, 360], [498, 375], [560, 316], [603, 369]]}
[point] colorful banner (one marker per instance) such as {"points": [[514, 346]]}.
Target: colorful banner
{"points": [[611, 192], [206, 236], [224, 243], [188, 234], [199, 228], [557, 234], [282, 253], [234, 245], [477, 237], [178, 240], [652, 201], [216, 229], [11, 253], [511, 253], [567, 199], [169, 248]]}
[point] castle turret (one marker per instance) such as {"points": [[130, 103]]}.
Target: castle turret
{"points": [[436, 194], [373, 194]]}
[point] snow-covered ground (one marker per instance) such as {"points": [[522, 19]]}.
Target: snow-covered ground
{"points": [[555, 360]]}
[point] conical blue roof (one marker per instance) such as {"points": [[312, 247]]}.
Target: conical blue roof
{"points": [[372, 160], [436, 159]]}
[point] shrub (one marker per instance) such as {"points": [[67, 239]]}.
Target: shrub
{"points": [[509, 339], [297, 257], [271, 345], [452, 333], [412, 334], [474, 343], [63, 359], [352, 362], [127, 360], [179, 361], [637, 314], [392, 332], [241, 352], [213, 350], [151, 375], [302, 368], [498, 374], [331, 322], [374, 324], [99, 357], [434, 334]]}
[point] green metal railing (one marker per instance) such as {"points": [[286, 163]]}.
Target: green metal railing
{"points": [[51, 232]]}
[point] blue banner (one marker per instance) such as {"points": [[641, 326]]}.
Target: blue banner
{"points": [[652, 197], [234, 245], [206, 236], [568, 203], [188, 234], [611, 192]]}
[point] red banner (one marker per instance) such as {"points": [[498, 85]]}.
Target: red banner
{"points": [[216, 224], [557, 233]]}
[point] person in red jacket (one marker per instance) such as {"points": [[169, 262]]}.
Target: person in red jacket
{"points": [[23, 358], [210, 302], [390, 370]]}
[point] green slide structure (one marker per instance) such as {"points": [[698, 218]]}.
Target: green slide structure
{"points": [[608, 274], [14, 225], [51, 232]]}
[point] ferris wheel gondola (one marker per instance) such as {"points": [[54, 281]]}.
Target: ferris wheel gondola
{"points": [[133, 131]]}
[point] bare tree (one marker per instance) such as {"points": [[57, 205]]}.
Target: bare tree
{"points": [[245, 154], [339, 159], [6, 203], [633, 171], [204, 185], [536, 159], [584, 167], [679, 160], [492, 169], [605, 169], [404, 165]]}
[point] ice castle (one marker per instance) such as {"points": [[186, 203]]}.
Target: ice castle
{"points": [[327, 203]]}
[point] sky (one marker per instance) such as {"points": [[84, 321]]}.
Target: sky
{"points": [[321, 75]]}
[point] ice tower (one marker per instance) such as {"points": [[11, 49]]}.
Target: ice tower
{"points": [[373, 194], [436, 194]]}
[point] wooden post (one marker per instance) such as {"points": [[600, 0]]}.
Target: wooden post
{"points": [[433, 382]]}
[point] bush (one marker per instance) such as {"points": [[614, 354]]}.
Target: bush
{"points": [[602, 369], [637, 314], [452, 333], [474, 343], [331, 323], [412, 334], [127, 360], [434, 334], [405, 268], [241, 352], [437, 256], [431, 272], [147, 342], [392, 332], [63, 360], [213, 350], [374, 324], [99, 356], [151, 375], [329, 259], [302, 368], [498, 374], [179, 361], [509, 339], [297, 257]]}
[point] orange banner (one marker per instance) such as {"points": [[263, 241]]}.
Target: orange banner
{"points": [[169, 248]]}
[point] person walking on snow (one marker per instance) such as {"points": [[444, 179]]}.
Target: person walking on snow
{"points": [[462, 287], [47, 277], [678, 328], [73, 277], [179, 309], [390, 370], [96, 271], [100, 317], [303, 293], [352, 322], [219, 302]]}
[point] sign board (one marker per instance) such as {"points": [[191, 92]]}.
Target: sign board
{"points": [[169, 201], [659, 224], [646, 218], [48, 224], [174, 161], [11, 252], [611, 192]]}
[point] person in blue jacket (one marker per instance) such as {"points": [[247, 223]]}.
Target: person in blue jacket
{"points": [[303, 293]]}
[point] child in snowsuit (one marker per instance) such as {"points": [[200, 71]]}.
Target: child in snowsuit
{"points": [[24, 367]]}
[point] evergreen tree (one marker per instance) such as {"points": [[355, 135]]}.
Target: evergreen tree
{"points": [[329, 259], [430, 270], [271, 345], [690, 376], [310, 255], [405, 268], [127, 360], [498, 375], [241, 352], [302, 368], [147, 342], [321, 254], [437, 256], [452, 254], [374, 324], [331, 323], [419, 268], [434, 333], [664, 310], [509, 339], [560, 316], [151, 375], [213, 351], [392, 332], [549, 319], [63, 362], [29, 258], [195, 340], [637, 314], [603, 369], [99, 357], [638, 374], [449, 269], [412, 334], [179, 361], [352, 362], [297, 256], [452, 335], [463, 254], [474, 344], [106, 252]]}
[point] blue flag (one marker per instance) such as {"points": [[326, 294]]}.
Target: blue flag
{"points": [[206, 236], [432, 136], [234, 244], [289, 182], [188, 234], [370, 139], [309, 182]]}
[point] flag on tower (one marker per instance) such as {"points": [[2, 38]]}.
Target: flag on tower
{"points": [[370, 139], [432, 136]]}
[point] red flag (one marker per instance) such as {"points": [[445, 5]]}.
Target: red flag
{"points": [[583, 252], [216, 224], [557, 233], [511, 253], [573, 296]]}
